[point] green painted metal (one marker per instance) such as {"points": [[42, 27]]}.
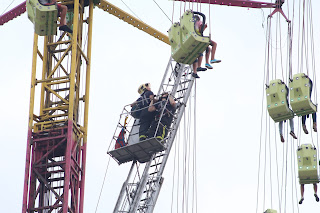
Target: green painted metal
{"points": [[186, 44], [307, 164], [277, 103], [300, 95], [177, 52], [270, 211], [43, 17]]}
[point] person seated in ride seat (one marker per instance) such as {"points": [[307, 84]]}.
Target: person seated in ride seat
{"points": [[314, 115], [62, 11], [291, 130], [167, 105], [315, 187], [290, 122], [197, 63]]}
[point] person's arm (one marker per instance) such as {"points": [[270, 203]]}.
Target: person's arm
{"points": [[151, 107], [133, 104], [172, 102]]}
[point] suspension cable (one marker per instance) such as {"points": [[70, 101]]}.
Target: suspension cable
{"points": [[105, 175]]}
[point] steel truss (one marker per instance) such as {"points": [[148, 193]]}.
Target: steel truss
{"points": [[57, 136], [141, 189]]}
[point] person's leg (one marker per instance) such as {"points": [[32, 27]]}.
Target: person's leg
{"points": [[213, 52], [304, 117], [314, 119], [145, 121], [302, 193], [195, 66], [281, 131], [63, 13], [63, 22], [315, 187], [292, 128], [208, 50], [200, 60]]}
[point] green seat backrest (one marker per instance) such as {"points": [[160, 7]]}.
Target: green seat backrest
{"points": [[300, 95], [177, 52], [186, 44], [270, 211], [277, 103], [43, 17], [307, 164]]}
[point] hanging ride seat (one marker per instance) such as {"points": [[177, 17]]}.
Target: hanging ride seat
{"points": [[191, 44], [307, 164], [277, 103], [44, 17], [177, 52], [300, 90], [270, 211]]}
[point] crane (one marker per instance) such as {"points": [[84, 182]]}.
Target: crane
{"points": [[57, 125]]}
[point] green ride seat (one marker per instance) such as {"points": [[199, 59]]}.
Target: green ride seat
{"points": [[300, 95], [186, 44], [43, 17], [270, 211], [277, 103], [307, 164], [177, 52], [191, 41]]}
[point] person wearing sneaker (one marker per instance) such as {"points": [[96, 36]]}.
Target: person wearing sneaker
{"points": [[197, 66], [314, 119], [314, 189], [198, 27], [291, 128], [62, 11]]}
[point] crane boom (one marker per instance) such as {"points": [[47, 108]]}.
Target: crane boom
{"points": [[104, 5], [15, 12], [242, 3], [113, 10]]}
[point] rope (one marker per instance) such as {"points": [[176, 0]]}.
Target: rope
{"points": [[195, 189], [105, 175], [131, 10], [260, 146], [210, 19], [172, 10], [7, 7], [163, 11], [174, 169]]}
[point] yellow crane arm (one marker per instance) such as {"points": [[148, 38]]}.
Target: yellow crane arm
{"points": [[113, 10]]}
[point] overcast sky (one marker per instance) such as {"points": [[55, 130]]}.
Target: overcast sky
{"points": [[229, 108]]}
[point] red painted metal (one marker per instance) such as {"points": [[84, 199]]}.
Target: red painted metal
{"points": [[54, 171], [15, 12], [236, 3]]}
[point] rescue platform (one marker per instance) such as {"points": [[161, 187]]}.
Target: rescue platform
{"points": [[141, 151]]}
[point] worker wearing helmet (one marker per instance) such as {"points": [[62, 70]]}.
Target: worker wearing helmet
{"points": [[146, 117], [164, 109]]}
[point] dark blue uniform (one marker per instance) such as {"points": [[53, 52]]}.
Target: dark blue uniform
{"points": [[160, 129], [146, 117]]}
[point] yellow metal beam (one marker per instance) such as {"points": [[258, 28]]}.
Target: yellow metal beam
{"points": [[113, 10]]}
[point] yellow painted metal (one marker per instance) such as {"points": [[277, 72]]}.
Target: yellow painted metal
{"points": [[277, 103], [86, 97], [307, 164], [113, 10], [33, 80]]}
